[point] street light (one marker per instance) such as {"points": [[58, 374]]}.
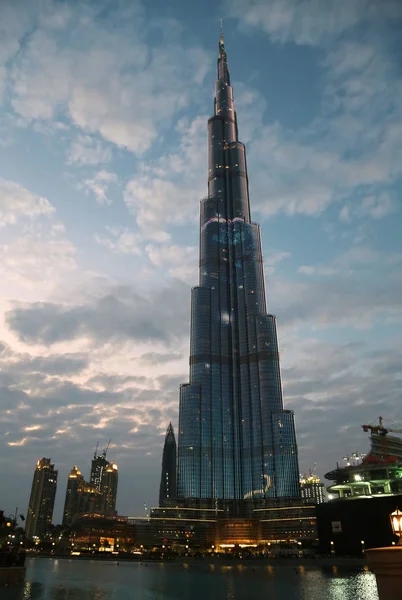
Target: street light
{"points": [[396, 524]]}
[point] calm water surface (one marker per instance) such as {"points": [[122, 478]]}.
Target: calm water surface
{"points": [[65, 579]]}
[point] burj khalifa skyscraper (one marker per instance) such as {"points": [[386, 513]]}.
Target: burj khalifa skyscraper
{"points": [[236, 442]]}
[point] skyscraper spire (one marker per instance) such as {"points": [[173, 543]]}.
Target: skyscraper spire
{"points": [[223, 71], [236, 441]]}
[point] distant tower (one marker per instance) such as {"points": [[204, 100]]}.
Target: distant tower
{"points": [[311, 487], [167, 490], [74, 480], [89, 499], [41, 501], [99, 464], [110, 480]]}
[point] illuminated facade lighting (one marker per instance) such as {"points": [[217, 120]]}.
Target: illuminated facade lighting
{"points": [[236, 441], [109, 483], [312, 488], [41, 501], [74, 481]]}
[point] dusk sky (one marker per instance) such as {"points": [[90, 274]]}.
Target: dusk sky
{"points": [[103, 121]]}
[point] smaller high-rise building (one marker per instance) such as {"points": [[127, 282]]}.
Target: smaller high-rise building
{"points": [[110, 479], [75, 479], [89, 499], [98, 465], [312, 488], [41, 501], [167, 489]]}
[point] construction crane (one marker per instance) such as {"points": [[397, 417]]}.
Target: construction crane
{"points": [[106, 449], [311, 477], [96, 450], [380, 429]]}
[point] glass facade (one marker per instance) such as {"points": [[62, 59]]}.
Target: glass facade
{"points": [[235, 439]]}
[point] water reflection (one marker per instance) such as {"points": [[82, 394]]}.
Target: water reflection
{"points": [[96, 580], [342, 585]]}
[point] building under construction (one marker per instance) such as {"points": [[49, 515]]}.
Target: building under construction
{"points": [[362, 496], [377, 473], [96, 497]]}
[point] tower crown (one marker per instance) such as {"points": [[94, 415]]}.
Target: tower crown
{"points": [[221, 39], [223, 71]]}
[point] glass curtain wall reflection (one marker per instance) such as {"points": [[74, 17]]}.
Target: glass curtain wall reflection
{"points": [[235, 439]]}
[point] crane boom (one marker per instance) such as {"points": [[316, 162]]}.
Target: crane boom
{"points": [[380, 429], [107, 448]]}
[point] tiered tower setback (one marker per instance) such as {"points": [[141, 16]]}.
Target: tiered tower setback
{"points": [[236, 441]]}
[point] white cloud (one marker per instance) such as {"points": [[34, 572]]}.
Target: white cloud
{"points": [[344, 213], [20, 442], [350, 149], [38, 259], [3, 74], [120, 240], [172, 254], [317, 270], [14, 23], [250, 108], [17, 203], [356, 259], [272, 259], [173, 185], [178, 261], [378, 207], [106, 71], [310, 22], [86, 150], [99, 185], [348, 153]]}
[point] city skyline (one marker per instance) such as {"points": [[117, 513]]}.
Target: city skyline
{"points": [[236, 441], [102, 165]]}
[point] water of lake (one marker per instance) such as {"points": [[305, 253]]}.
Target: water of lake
{"points": [[63, 579]]}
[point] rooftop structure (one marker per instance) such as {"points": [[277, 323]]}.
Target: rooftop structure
{"points": [[374, 474], [373, 477]]}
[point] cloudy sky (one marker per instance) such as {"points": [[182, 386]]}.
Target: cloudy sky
{"points": [[103, 110]]}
